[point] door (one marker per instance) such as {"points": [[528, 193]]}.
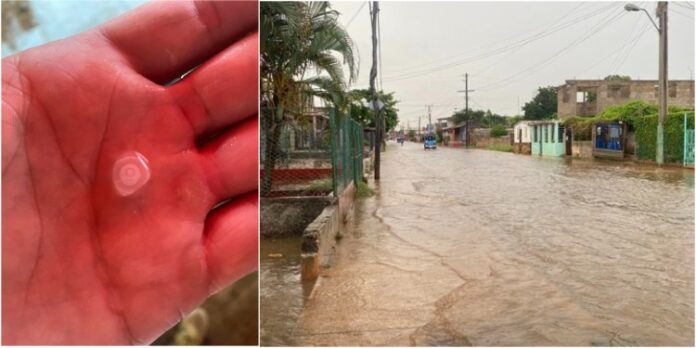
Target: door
{"points": [[569, 141]]}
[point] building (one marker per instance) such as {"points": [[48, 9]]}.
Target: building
{"points": [[455, 134], [609, 139], [548, 138], [522, 138], [591, 97]]}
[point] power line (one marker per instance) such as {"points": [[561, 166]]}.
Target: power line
{"points": [[490, 46], [594, 30], [500, 50], [630, 49], [356, 14]]}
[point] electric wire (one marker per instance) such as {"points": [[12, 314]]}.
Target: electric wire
{"points": [[500, 50]]}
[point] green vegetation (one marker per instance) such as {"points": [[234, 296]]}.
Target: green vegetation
{"points": [[498, 131], [363, 190], [543, 106], [617, 78], [322, 185], [360, 102], [298, 39], [480, 117], [642, 118], [500, 147]]}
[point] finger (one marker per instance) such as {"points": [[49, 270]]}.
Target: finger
{"points": [[231, 241], [231, 161], [165, 39], [222, 91]]}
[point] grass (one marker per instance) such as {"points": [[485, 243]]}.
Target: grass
{"points": [[321, 185], [499, 147], [363, 190]]}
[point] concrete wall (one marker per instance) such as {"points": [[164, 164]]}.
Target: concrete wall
{"points": [[485, 142], [608, 93], [282, 217], [522, 148], [319, 242], [319, 238], [582, 149]]}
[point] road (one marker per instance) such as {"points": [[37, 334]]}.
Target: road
{"points": [[475, 247]]}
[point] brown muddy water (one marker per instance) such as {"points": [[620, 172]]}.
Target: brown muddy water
{"points": [[473, 247], [282, 292]]}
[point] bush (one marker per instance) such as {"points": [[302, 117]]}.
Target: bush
{"points": [[646, 136], [642, 117], [363, 190], [498, 131]]}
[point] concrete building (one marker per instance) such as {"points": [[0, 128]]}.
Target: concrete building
{"points": [[548, 138], [522, 137], [590, 97]]}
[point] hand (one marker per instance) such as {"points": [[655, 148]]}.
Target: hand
{"points": [[80, 262]]}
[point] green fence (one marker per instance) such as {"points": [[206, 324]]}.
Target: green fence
{"points": [[314, 154], [347, 150], [674, 136], [688, 142]]}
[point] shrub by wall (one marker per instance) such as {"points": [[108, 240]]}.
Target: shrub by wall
{"points": [[646, 136], [498, 131], [642, 117]]}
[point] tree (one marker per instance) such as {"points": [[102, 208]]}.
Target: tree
{"points": [[617, 78], [297, 37], [543, 106], [498, 131], [360, 102], [479, 117]]}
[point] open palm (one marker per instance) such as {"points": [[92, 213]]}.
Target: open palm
{"points": [[84, 264]]}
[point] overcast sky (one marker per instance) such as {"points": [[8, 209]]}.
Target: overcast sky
{"points": [[509, 49]]}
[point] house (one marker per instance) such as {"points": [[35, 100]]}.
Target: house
{"points": [[591, 97], [522, 138], [456, 134], [548, 138]]}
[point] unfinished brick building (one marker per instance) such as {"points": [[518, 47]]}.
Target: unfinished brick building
{"points": [[590, 97]]}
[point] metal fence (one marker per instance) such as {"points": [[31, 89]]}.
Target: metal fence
{"points": [[688, 153], [314, 155], [347, 151]]}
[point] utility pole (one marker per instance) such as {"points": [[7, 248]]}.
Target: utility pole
{"points": [[466, 106], [430, 120], [662, 16], [419, 126], [373, 76]]}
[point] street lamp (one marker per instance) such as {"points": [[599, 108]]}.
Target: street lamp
{"points": [[662, 71]]}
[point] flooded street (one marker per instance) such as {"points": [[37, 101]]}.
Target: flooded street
{"points": [[473, 247], [282, 291]]}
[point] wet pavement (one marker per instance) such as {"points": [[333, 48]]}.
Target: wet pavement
{"points": [[474, 247]]}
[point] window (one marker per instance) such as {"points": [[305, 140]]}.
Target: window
{"points": [[560, 134], [608, 137], [580, 97], [553, 132], [534, 134]]}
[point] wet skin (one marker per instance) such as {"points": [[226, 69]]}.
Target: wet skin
{"points": [[83, 264]]}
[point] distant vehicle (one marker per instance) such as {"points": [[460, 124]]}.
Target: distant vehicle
{"points": [[430, 142]]}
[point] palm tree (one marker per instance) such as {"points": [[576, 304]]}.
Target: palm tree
{"points": [[296, 39]]}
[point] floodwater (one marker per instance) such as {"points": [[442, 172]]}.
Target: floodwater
{"points": [[282, 292], [474, 247]]}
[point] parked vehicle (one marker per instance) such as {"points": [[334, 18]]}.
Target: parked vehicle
{"points": [[430, 142]]}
